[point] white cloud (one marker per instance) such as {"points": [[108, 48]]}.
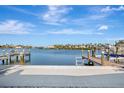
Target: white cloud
{"points": [[55, 14], [104, 12], [98, 16], [22, 10], [73, 32], [15, 27], [109, 9], [103, 28]]}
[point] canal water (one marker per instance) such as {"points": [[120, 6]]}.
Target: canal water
{"points": [[52, 57]]}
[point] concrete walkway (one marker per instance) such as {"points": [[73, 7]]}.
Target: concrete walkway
{"points": [[61, 76]]}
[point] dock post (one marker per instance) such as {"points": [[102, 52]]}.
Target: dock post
{"points": [[17, 58], [94, 51], [10, 59], [88, 56], [102, 58], [82, 57], [3, 61], [29, 54], [29, 57], [108, 54], [22, 58], [16, 55], [7, 59], [117, 54]]}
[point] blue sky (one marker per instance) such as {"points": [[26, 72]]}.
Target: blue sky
{"points": [[47, 25]]}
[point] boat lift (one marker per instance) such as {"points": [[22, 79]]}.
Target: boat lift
{"points": [[79, 61]]}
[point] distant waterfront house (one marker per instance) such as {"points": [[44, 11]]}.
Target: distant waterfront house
{"points": [[50, 46], [120, 45], [18, 47]]}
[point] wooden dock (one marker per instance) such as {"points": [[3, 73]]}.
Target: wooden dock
{"points": [[105, 62], [7, 56]]}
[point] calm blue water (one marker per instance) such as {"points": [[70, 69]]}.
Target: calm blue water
{"points": [[54, 57]]}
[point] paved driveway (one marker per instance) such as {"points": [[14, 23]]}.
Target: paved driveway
{"points": [[16, 79]]}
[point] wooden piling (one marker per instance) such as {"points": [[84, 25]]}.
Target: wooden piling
{"points": [[7, 58], [29, 57], [94, 52], [22, 58], [7, 61], [90, 63], [88, 56], [117, 54], [108, 54], [17, 58], [3, 61], [102, 57]]}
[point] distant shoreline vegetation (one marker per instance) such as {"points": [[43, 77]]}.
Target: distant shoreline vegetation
{"points": [[75, 47], [14, 46], [89, 46]]}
